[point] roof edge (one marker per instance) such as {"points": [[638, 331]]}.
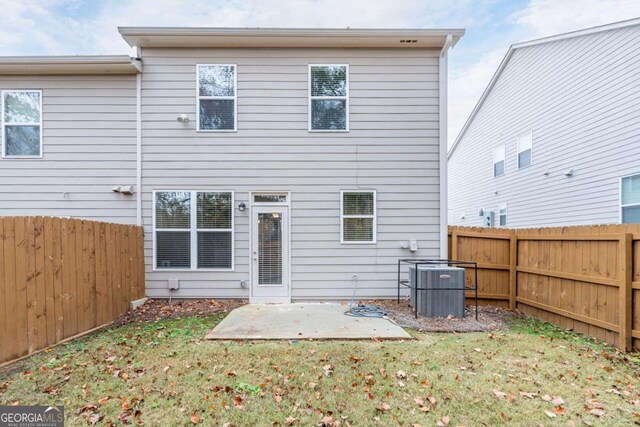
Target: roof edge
{"points": [[75, 64], [234, 36], [534, 42]]}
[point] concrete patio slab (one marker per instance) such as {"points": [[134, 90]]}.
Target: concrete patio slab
{"points": [[302, 321]]}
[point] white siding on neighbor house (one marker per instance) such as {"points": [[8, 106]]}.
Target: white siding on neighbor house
{"points": [[579, 96], [89, 146], [392, 147]]}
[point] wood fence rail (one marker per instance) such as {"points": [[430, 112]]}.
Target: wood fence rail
{"points": [[585, 278], [62, 277]]}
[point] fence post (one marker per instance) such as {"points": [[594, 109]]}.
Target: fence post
{"points": [[626, 279], [513, 273], [454, 244]]}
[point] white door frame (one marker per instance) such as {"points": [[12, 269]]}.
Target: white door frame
{"points": [[287, 206]]}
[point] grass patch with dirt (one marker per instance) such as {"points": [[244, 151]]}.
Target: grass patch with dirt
{"points": [[162, 373]]}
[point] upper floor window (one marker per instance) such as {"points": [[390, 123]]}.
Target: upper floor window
{"points": [[525, 146], [358, 216], [22, 123], [630, 199], [217, 98], [498, 160], [328, 97]]}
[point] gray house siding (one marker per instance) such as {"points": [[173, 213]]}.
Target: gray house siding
{"points": [[392, 147], [89, 146], [579, 96]]}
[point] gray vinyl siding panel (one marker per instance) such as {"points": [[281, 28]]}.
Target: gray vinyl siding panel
{"points": [[392, 147], [89, 146], [579, 96]]}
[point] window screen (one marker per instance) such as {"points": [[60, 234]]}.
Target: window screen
{"points": [[630, 199], [22, 123], [525, 148], [193, 230], [498, 161], [358, 217], [217, 97], [328, 97]]}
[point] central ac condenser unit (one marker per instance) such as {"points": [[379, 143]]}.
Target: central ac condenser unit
{"points": [[444, 293]]}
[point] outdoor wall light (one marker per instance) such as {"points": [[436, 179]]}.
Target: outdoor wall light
{"points": [[183, 118], [242, 207]]}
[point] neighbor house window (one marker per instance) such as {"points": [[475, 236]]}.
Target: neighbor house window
{"points": [[22, 123], [328, 97], [498, 161], [630, 199], [525, 145], [502, 215], [193, 230], [358, 216], [217, 98]]}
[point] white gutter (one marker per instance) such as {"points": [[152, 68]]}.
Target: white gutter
{"points": [[139, 146], [442, 112]]}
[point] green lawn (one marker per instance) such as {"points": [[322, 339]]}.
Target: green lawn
{"points": [[163, 374]]}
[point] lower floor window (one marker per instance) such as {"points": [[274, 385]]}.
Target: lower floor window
{"points": [[502, 215], [358, 217], [630, 199], [193, 230]]}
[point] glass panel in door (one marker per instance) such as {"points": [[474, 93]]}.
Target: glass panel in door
{"points": [[270, 248]]}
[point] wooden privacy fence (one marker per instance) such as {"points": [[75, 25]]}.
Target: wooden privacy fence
{"points": [[63, 277], [585, 278]]}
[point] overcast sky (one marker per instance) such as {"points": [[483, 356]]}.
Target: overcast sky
{"points": [[64, 27]]}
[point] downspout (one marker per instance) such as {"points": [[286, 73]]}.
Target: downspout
{"points": [[442, 103], [138, 144]]}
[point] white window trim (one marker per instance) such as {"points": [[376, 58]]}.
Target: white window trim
{"points": [[506, 215], [234, 98], [346, 98], [194, 230], [530, 132], [629, 205], [4, 133], [374, 216], [504, 160]]}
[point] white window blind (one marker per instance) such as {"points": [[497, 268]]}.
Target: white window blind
{"points": [[630, 199], [193, 230], [328, 97], [498, 160], [270, 248], [217, 98], [525, 148], [358, 222], [22, 123]]}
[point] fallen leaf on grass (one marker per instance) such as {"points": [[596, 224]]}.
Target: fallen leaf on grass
{"points": [[383, 407], [500, 394], [94, 418], [328, 370], [87, 407], [290, 420], [195, 418], [528, 395], [444, 422], [550, 414], [557, 400], [401, 374]]}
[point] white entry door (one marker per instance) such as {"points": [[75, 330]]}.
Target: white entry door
{"points": [[270, 254]]}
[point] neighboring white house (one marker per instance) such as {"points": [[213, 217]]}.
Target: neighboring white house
{"points": [[274, 164], [555, 138]]}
